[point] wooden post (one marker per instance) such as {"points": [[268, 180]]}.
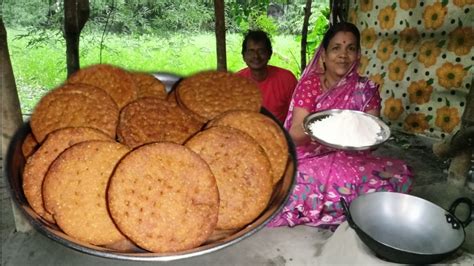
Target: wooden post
{"points": [[11, 117], [304, 33], [76, 14], [220, 35]]}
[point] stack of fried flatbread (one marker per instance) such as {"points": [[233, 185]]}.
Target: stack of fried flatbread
{"points": [[114, 160]]}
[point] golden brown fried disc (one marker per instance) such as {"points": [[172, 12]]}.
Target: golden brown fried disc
{"points": [[151, 120], [265, 131], [74, 105], [210, 93], [148, 85], [242, 171], [115, 81], [29, 145], [37, 165], [75, 187], [171, 97], [164, 197]]}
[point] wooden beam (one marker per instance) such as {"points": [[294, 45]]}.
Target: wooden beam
{"points": [[304, 33], [220, 35], [76, 14], [11, 116]]}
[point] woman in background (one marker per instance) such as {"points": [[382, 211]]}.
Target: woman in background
{"points": [[324, 175]]}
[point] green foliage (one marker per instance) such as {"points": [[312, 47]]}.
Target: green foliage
{"points": [[23, 13], [259, 21], [149, 35], [39, 69], [318, 24], [316, 34]]}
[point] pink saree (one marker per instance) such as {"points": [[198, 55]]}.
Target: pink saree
{"points": [[325, 175]]}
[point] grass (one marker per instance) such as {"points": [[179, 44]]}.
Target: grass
{"points": [[39, 69]]}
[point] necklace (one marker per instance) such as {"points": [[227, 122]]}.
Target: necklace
{"points": [[325, 83]]}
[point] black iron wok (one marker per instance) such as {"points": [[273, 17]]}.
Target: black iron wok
{"points": [[406, 229]]}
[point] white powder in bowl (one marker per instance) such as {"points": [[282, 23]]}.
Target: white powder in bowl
{"points": [[346, 129]]}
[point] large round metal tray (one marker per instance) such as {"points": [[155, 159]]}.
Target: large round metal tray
{"points": [[381, 137], [14, 169]]}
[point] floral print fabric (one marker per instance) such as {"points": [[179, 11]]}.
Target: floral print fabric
{"points": [[420, 53]]}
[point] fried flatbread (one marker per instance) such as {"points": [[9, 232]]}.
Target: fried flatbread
{"points": [[75, 188], [265, 131], [37, 165], [164, 197], [29, 145], [74, 105], [210, 93], [151, 120], [148, 85], [116, 81], [242, 170]]}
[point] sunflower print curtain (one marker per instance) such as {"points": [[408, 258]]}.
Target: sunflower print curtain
{"points": [[420, 52]]}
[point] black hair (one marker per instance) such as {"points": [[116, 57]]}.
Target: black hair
{"points": [[257, 36], [344, 27]]}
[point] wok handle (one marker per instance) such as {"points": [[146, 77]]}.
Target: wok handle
{"points": [[455, 204], [345, 206]]}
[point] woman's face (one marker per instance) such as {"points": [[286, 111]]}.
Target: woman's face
{"points": [[340, 54], [256, 56]]}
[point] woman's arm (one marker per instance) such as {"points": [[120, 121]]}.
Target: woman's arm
{"points": [[374, 105], [374, 112], [296, 130]]}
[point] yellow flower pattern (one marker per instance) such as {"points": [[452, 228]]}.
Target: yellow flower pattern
{"points": [[366, 5], [429, 52], [420, 91], [407, 4], [386, 17], [447, 118], [462, 3], [393, 108], [420, 52], [385, 50], [433, 16], [409, 38], [461, 40], [397, 69], [368, 37], [450, 76], [416, 123]]}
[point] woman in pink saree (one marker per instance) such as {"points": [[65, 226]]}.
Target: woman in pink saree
{"points": [[324, 175]]}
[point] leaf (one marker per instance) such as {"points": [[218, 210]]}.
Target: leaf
{"points": [[408, 24], [394, 41], [430, 81], [448, 104], [428, 118], [444, 2], [393, 94], [441, 44], [468, 67], [383, 74], [394, 5], [459, 22]]}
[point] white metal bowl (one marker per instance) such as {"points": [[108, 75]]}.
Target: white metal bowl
{"points": [[316, 116], [14, 169]]}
